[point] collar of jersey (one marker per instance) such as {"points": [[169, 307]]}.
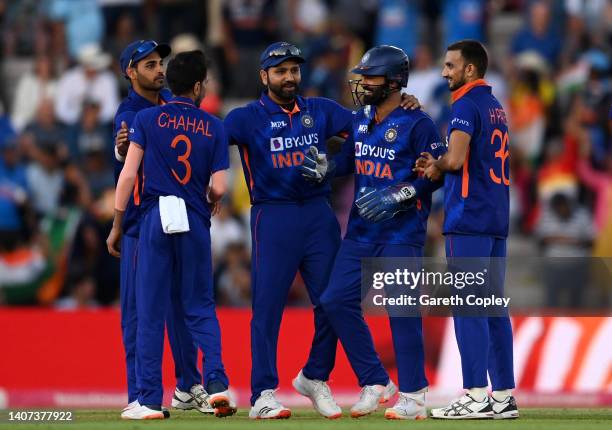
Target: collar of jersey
{"points": [[457, 94], [272, 107], [389, 115], [164, 96], [182, 101]]}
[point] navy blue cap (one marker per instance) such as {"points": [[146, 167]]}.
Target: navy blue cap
{"points": [[138, 50], [279, 52]]}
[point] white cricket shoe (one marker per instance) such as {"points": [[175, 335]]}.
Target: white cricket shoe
{"points": [[408, 407], [466, 407], [390, 390], [139, 412], [319, 394], [268, 407], [369, 399], [196, 398], [506, 409], [222, 403]]}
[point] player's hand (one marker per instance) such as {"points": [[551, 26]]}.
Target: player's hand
{"points": [[315, 167], [121, 140], [410, 102], [215, 208], [426, 166], [380, 205], [113, 241]]}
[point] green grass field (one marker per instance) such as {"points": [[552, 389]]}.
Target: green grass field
{"points": [[557, 419]]}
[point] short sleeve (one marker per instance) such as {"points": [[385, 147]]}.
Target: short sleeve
{"points": [[339, 119], [137, 130], [463, 117], [220, 159], [427, 139], [234, 125]]}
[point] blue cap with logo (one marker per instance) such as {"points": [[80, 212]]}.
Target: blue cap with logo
{"points": [[138, 50], [279, 52]]}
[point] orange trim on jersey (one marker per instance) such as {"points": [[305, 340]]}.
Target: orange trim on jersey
{"points": [[465, 180], [245, 155], [295, 110], [457, 94], [136, 192]]}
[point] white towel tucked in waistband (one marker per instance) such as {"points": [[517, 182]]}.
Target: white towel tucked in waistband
{"points": [[173, 214]]}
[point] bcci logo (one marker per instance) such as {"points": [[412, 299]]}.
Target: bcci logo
{"points": [[307, 121], [276, 144], [357, 149], [390, 135]]}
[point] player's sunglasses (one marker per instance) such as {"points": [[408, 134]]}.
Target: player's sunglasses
{"points": [[147, 46], [284, 51]]}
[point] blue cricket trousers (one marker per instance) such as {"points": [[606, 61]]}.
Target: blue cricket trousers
{"points": [[287, 237], [174, 266], [342, 303], [485, 343], [184, 350]]}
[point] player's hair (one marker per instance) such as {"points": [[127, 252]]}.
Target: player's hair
{"points": [[473, 52], [185, 70]]}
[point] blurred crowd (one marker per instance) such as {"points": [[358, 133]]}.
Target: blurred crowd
{"points": [[61, 85]]}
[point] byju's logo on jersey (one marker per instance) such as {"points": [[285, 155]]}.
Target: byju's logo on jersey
{"points": [[277, 125], [357, 149], [276, 144]]}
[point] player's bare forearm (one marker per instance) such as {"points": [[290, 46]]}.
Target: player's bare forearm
{"points": [[218, 187], [114, 237]]}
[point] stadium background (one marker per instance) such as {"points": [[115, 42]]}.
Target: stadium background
{"points": [[550, 66]]}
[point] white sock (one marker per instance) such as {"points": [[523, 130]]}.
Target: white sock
{"points": [[479, 393], [501, 395]]}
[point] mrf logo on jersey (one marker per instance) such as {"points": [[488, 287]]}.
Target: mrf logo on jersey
{"points": [[286, 152]]}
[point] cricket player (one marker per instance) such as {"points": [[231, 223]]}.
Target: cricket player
{"points": [[476, 184], [292, 224], [182, 149], [389, 219], [142, 63]]}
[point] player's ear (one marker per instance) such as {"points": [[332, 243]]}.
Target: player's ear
{"points": [[263, 75], [131, 72]]}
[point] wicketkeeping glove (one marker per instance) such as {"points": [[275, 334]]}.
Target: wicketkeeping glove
{"points": [[380, 205], [316, 167]]}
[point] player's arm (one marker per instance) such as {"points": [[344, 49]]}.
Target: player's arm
{"points": [[458, 145], [382, 204], [125, 186], [218, 186]]}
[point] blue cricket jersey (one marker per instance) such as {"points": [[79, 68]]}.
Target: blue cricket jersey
{"points": [[183, 146], [127, 110], [383, 154], [273, 141], [477, 196]]}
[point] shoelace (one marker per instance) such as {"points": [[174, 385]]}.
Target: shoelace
{"points": [[200, 394], [368, 390], [404, 399], [270, 397], [322, 389]]}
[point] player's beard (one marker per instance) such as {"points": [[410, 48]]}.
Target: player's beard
{"points": [[457, 83], [150, 84], [283, 92], [377, 96]]}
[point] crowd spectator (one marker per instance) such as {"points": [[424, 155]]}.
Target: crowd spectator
{"points": [[89, 80], [32, 89]]}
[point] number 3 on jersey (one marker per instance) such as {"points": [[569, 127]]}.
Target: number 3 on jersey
{"points": [[502, 153], [183, 158]]}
